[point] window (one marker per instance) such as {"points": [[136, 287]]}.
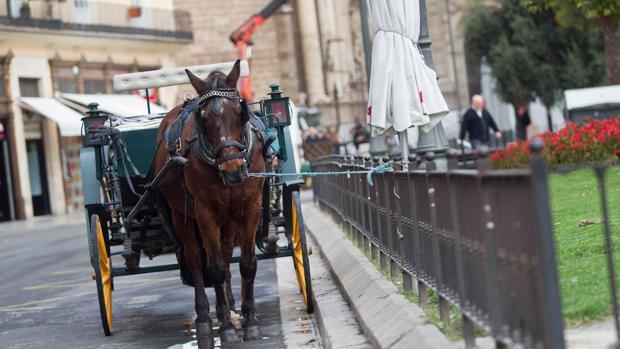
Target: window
{"points": [[28, 87], [94, 86], [80, 3], [2, 88], [67, 86]]}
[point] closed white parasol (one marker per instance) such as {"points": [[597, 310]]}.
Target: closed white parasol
{"points": [[403, 89]]}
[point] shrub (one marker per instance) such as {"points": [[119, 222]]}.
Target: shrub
{"points": [[597, 141]]}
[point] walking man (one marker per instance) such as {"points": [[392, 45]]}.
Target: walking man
{"points": [[476, 122]]}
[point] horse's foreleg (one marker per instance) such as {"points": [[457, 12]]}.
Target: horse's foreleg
{"points": [[216, 272], [247, 267], [192, 256], [227, 252]]}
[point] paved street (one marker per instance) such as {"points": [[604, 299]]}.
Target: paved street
{"points": [[48, 300]]}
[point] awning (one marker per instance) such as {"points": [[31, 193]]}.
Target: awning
{"points": [[592, 97], [403, 90], [121, 105], [69, 121]]}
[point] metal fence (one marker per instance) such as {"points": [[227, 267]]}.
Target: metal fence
{"points": [[481, 239]]}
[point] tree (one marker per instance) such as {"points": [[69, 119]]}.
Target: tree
{"points": [[531, 55], [604, 14]]}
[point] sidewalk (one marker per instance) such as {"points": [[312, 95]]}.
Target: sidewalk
{"points": [[42, 222], [387, 318], [597, 335]]}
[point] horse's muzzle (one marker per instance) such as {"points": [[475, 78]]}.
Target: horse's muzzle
{"points": [[235, 177]]}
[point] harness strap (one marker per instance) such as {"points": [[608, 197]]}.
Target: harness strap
{"points": [[118, 151]]}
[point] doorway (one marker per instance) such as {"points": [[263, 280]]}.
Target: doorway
{"points": [[35, 153], [7, 205], [37, 176]]}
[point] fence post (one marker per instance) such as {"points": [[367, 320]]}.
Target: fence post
{"points": [[469, 334], [601, 172], [408, 280], [360, 202], [554, 326], [367, 217], [421, 286], [384, 232], [394, 210], [444, 307], [492, 282], [404, 274], [374, 214]]}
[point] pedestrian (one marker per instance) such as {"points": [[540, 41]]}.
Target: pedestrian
{"points": [[359, 133], [523, 121], [476, 123]]}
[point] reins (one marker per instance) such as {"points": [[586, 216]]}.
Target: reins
{"points": [[383, 168]]}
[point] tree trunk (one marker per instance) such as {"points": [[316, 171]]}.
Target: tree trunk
{"points": [[549, 119], [611, 31]]}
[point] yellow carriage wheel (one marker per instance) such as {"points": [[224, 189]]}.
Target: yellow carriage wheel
{"points": [[300, 253], [103, 273]]}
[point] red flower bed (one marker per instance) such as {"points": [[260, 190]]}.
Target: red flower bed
{"points": [[597, 141]]}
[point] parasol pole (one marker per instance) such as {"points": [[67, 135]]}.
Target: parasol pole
{"points": [[403, 142]]}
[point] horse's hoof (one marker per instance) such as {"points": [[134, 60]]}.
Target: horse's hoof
{"points": [[203, 330], [235, 320], [251, 332], [229, 335], [205, 343]]}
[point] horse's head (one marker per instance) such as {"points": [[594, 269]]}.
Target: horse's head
{"points": [[222, 116]]}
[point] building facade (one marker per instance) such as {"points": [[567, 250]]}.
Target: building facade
{"points": [[315, 50], [51, 47]]}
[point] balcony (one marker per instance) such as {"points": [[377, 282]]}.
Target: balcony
{"points": [[84, 17]]}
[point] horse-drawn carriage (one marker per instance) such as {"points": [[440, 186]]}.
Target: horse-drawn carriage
{"points": [[128, 164]]}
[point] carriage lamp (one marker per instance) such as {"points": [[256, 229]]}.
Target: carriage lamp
{"points": [[94, 119], [277, 108], [278, 114]]}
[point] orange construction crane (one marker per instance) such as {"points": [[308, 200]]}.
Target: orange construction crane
{"points": [[242, 39]]}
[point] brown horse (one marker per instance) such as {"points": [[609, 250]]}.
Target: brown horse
{"points": [[212, 205]]}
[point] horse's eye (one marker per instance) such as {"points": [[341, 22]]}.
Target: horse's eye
{"points": [[203, 114]]}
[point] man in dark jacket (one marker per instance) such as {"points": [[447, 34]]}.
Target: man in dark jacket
{"points": [[476, 122]]}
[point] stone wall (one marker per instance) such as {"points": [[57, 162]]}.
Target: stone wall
{"points": [[273, 52], [278, 54]]}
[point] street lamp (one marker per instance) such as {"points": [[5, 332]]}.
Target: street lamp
{"points": [[436, 139]]}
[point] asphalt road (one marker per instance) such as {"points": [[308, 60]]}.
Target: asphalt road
{"points": [[48, 299]]}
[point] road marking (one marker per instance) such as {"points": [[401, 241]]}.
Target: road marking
{"points": [[72, 271], [33, 304], [60, 284]]}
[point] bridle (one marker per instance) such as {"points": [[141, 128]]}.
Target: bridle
{"points": [[202, 146]]}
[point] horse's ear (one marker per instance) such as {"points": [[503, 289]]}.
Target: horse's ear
{"points": [[196, 82], [233, 76]]}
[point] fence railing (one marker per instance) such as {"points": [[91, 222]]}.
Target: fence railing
{"points": [[481, 239]]}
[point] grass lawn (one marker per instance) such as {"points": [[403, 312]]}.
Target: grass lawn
{"points": [[580, 251]]}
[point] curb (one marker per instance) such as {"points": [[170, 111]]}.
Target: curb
{"points": [[386, 317], [336, 321]]}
